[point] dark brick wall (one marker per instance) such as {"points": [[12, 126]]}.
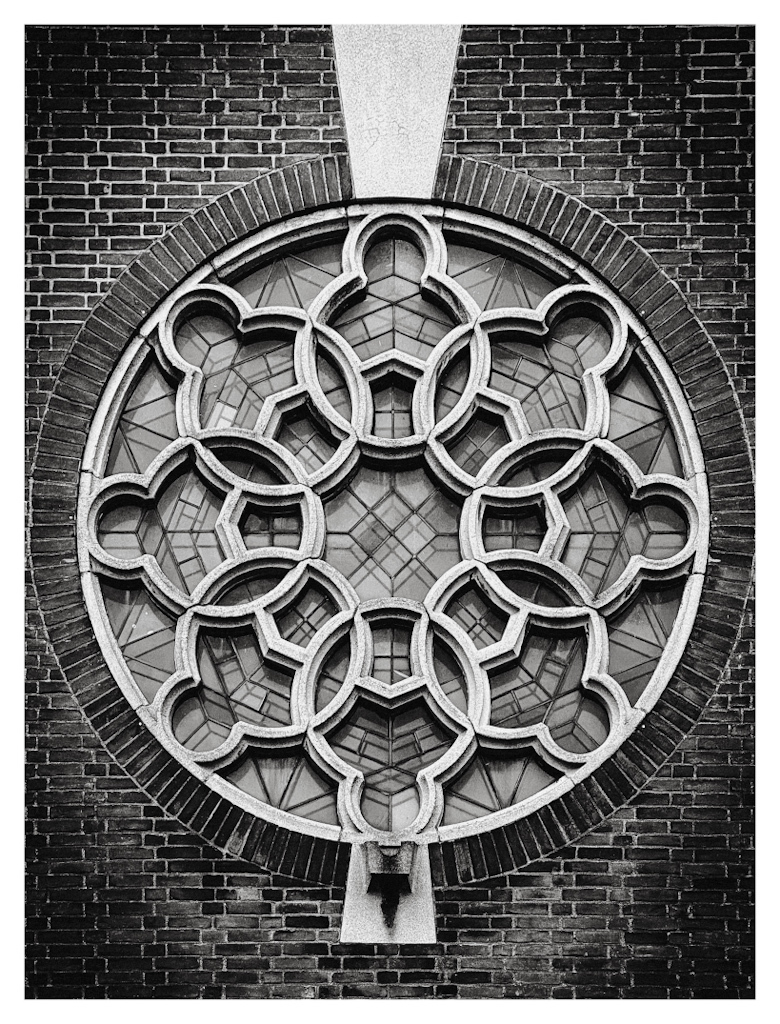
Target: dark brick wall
{"points": [[123, 900], [653, 126], [131, 129]]}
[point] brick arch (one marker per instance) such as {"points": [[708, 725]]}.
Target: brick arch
{"points": [[512, 196]]}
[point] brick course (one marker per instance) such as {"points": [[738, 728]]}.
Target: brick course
{"points": [[124, 900]]}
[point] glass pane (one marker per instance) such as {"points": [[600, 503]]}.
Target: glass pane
{"points": [[147, 424], [239, 372], [490, 783], [250, 589], [638, 424], [638, 636], [300, 433], [543, 685], [271, 527], [495, 281], [393, 313], [392, 646], [144, 633], [532, 589], [291, 783], [476, 614], [392, 532], [449, 674], [180, 531], [546, 375], [118, 531], [523, 529], [393, 408], [482, 437], [534, 469], [251, 467], [606, 532], [238, 685], [332, 383], [310, 611], [390, 748], [293, 280]]}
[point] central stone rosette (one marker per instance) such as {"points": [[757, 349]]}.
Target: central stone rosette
{"points": [[388, 515]]}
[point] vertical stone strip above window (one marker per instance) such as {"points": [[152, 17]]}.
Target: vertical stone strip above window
{"points": [[394, 82]]}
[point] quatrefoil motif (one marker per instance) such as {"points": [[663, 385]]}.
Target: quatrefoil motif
{"points": [[367, 524]]}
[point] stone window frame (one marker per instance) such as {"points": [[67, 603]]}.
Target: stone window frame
{"points": [[428, 224], [545, 211]]}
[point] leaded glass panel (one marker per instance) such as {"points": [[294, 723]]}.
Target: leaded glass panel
{"points": [[178, 531], [389, 749], [394, 315], [238, 685], [638, 636], [147, 424], [392, 533], [483, 436], [288, 782], [238, 374], [144, 632], [606, 531], [495, 280], [293, 280], [638, 424], [490, 784]]}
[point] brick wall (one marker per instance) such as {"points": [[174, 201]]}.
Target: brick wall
{"points": [[651, 125], [130, 130]]}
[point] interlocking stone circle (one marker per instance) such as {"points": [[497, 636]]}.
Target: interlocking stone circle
{"points": [[393, 527]]}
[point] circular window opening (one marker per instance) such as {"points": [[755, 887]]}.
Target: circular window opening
{"points": [[392, 533]]}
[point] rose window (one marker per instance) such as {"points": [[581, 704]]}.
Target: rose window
{"points": [[392, 525]]}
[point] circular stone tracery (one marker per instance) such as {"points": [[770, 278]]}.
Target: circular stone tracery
{"points": [[402, 532]]}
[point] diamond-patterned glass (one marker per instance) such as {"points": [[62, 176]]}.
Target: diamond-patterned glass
{"points": [[392, 533]]}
